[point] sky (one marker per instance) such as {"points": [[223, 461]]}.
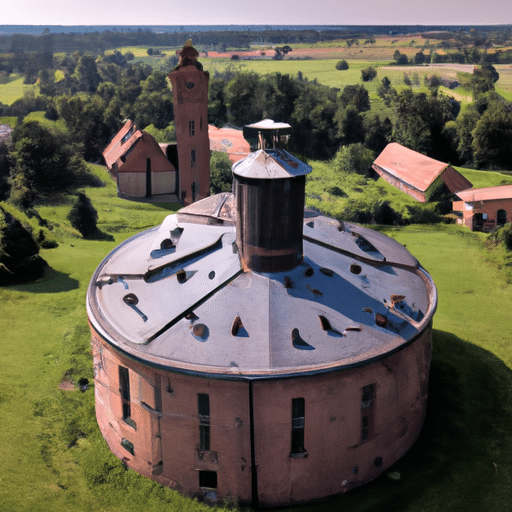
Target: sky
{"points": [[258, 12]]}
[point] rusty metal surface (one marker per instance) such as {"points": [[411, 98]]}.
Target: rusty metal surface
{"points": [[338, 308]]}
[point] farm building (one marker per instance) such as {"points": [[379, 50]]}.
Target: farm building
{"points": [[145, 169], [139, 165], [482, 209], [416, 174], [230, 141], [251, 351]]}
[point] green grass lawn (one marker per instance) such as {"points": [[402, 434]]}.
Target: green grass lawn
{"points": [[14, 90], [53, 457]]}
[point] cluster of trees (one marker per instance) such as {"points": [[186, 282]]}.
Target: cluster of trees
{"points": [[322, 118], [114, 88]]}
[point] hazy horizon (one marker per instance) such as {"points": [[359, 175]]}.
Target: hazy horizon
{"points": [[263, 12]]}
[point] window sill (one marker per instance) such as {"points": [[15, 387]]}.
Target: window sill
{"points": [[301, 455], [130, 422]]}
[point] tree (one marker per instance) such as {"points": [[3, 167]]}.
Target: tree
{"points": [[377, 133], [400, 58], [353, 158], [221, 177], [83, 216], [19, 252], [350, 125], [45, 161], [368, 74], [420, 120], [86, 73], [492, 137], [341, 65], [356, 95]]}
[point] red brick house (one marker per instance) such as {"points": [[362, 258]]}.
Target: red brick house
{"points": [[139, 164], [416, 174], [482, 209]]}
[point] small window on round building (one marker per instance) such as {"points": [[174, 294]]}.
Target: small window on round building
{"points": [[189, 85]]}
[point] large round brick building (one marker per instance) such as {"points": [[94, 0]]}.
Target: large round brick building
{"points": [[250, 351]]}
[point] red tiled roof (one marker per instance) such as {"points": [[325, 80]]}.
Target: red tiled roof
{"points": [[409, 166], [118, 146], [486, 194], [230, 141]]}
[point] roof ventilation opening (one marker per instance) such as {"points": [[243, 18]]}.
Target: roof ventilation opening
{"points": [[200, 332], [132, 300], [299, 343], [355, 268], [238, 329], [326, 326], [381, 320]]}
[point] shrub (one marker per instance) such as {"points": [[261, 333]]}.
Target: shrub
{"points": [[503, 235], [368, 74], [341, 65], [354, 158], [336, 191], [19, 258], [83, 216], [423, 214]]}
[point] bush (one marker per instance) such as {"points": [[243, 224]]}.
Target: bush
{"points": [[83, 216], [354, 158], [503, 235], [341, 65], [423, 214], [368, 74], [19, 258], [336, 191]]}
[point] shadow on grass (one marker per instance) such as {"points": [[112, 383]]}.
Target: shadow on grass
{"points": [[100, 235], [52, 281], [463, 457]]}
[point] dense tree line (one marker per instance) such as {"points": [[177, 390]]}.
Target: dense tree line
{"points": [[323, 119]]}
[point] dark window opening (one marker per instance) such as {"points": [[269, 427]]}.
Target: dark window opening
{"points": [[501, 217], [367, 400], [127, 445], [203, 409], [193, 158], [191, 128], [298, 421], [124, 390], [208, 479]]}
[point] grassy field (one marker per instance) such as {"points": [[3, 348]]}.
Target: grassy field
{"points": [[15, 89], [53, 457]]}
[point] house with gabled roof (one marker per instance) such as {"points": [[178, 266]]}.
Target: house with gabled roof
{"points": [[482, 209], [139, 164], [416, 174]]}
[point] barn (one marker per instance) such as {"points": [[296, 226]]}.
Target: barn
{"points": [[419, 176], [138, 164]]}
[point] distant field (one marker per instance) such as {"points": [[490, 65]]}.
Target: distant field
{"points": [[14, 90]]}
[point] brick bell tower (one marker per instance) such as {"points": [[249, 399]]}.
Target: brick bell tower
{"points": [[190, 91]]}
